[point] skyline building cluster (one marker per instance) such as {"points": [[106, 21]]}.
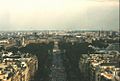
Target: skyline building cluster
{"points": [[37, 55]]}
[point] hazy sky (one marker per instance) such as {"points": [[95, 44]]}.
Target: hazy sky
{"points": [[59, 14]]}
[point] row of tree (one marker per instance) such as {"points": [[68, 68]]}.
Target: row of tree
{"points": [[71, 58], [43, 52]]}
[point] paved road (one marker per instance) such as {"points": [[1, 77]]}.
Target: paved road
{"points": [[57, 69]]}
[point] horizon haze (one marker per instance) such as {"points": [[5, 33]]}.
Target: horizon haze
{"points": [[16, 15]]}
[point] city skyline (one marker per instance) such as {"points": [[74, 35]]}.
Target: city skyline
{"points": [[59, 15]]}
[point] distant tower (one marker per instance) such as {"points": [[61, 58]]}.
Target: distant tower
{"points": [[99, 33], [23, 41]]}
